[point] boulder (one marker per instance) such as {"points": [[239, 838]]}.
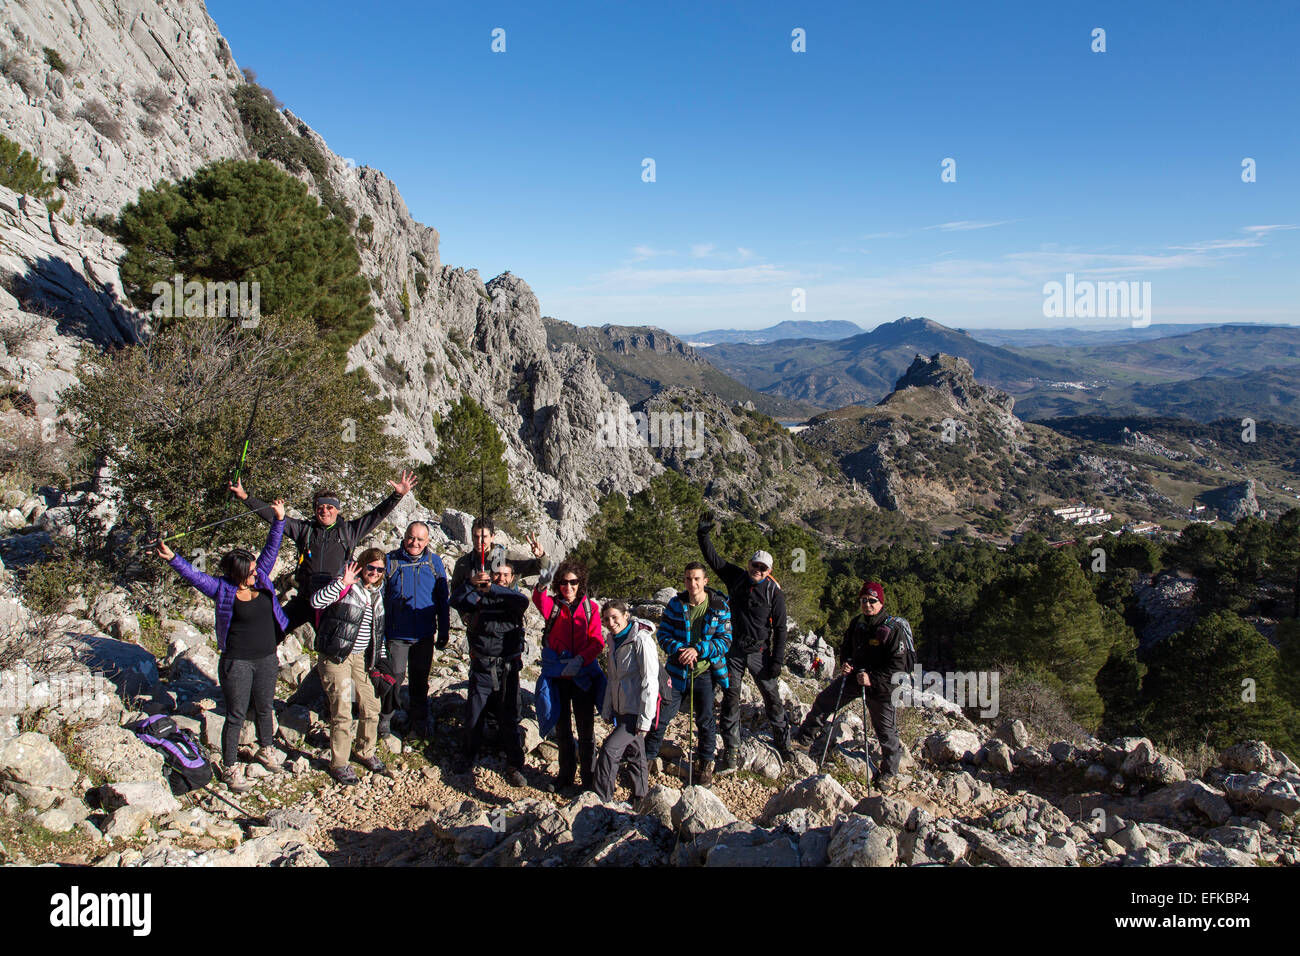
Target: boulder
{"points": [[779, 852], [1255, 756], [126, 822], [821, 795], [860, 841], [887, 810], [659, 803], [1258, 791], [1144, 763], [761, 758], [951, 746], [997, 756], [155, 797], [34, 769], [1033, 758], [698, 810], [1116, 752], [1014, 734], [1237, 838], [118, 754]]}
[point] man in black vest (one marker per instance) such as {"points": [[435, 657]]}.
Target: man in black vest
{"points": [[757, 643], [325, 543]]}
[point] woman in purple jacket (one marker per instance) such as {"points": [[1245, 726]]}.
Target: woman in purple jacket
{"points": [[250, 623]]}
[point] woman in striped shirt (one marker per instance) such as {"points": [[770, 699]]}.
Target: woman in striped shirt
{"points": [[350, 640]]}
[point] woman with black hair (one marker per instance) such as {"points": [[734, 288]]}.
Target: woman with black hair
{"points": [[250, 623]]}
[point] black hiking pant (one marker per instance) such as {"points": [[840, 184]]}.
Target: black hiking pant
{"points": [[706, 739], [881, 710], [494, 685], [729, 721], [577, 705], [245, 682], [418, 656]]}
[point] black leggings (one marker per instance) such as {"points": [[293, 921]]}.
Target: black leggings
{"points": [[244, 682]]}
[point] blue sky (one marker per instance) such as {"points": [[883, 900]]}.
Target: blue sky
{"points": [[777, 170]]}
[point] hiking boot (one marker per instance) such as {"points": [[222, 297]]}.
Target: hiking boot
{"points": [[804, 738], [385, 728], [374, 765], [704, 773], [270, 758], [783, 745], [515, 777], [345, 775], [235, 780], [729, 763]]}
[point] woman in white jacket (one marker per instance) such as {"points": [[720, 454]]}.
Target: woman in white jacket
{"points": [[631, 700]]}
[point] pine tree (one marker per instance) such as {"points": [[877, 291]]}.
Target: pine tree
{"points": [[1216, 682], [237, 221], [23, 173], [468, 471]]}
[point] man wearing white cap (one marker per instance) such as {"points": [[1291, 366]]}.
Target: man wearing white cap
{"points": [[757, 644]]}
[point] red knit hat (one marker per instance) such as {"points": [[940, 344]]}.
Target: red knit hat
{"points": [[872, 589]]}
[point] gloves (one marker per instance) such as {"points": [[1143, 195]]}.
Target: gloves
{"points": [[572, 667], [773, 670], [706, 523]]}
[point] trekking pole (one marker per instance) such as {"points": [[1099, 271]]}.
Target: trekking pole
{"points": [[690, 726], [208, 788], [830, 728], [173, 537], [866, 738]]}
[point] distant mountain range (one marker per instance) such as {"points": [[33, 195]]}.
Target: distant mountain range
{"points": [[826, 330], [1031, 338], [641, 361]]}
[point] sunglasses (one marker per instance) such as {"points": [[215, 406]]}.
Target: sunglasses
{"points": [[869, 600], [758, 567], [377, 568], [569, 583]]}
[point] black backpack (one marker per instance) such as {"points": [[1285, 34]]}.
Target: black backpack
{"points": [[184, 764]]}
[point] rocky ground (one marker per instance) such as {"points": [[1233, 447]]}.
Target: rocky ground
{"points": [[79, 788]]}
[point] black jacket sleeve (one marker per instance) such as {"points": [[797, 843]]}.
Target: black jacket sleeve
{"points": [[778, 627], [460, 573], [358, 528], [732, 575], [849, 645]]}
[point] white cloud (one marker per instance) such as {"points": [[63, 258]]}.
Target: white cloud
{"points": [[702, 249], [966, 225]]}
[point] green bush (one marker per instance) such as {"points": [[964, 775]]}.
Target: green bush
{"points": [[235, 221], [170, 418], [54, 60], [22, 172]]}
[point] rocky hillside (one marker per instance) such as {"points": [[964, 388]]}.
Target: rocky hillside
{"points": [[940, 443], [137, 92], [748, 463]]}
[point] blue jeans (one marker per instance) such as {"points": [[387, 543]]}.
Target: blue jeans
{"points": [[703, 718]]}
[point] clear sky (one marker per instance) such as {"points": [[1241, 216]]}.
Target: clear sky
{"points": [[820, 170]]}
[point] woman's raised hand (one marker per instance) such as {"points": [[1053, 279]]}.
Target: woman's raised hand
{"points": [[351, 573], [278, 507], [163, 551]]}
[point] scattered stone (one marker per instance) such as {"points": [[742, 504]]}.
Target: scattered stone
{"points": [[821, 794], [860, 841], [32, 767], [154, 797]]}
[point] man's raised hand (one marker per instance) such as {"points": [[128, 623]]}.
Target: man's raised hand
{"points": [[237, 489], [404, 483]]}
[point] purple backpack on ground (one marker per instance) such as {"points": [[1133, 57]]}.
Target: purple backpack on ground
{"points": [[184, 763]]}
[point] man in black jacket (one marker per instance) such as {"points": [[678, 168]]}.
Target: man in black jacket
{"points": [[873, 650], [326, 542], [757, 643], [493, 612]]}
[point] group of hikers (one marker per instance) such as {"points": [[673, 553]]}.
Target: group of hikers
{"points": [[382, 615]]}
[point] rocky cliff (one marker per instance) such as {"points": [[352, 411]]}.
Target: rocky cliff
{"points": [[135, 92]]}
